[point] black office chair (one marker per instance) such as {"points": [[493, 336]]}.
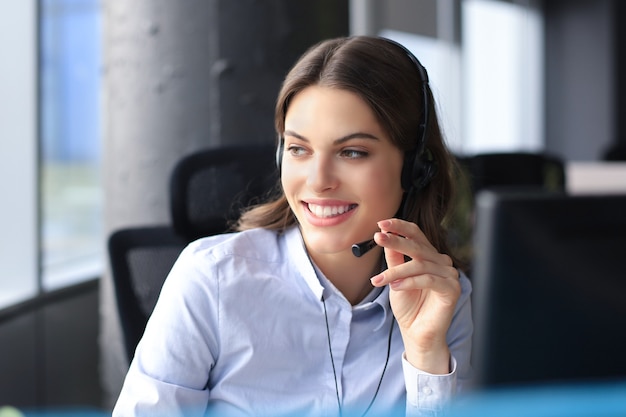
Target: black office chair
{"points": [[208, 189], [615, 153], [141, 258], [514, 170]]}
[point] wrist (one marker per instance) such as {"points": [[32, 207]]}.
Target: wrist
{"points": [[435, 360]]}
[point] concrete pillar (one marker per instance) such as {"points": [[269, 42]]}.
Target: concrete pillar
{"points": [[180, 76]]}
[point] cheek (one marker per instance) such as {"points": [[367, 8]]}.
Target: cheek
{"points": [[288, 183], [284, 182], [384, 190]]}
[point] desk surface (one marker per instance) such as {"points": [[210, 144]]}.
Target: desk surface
{"points": [[596, 177]]}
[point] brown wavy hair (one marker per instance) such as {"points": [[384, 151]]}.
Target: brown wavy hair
{"points": [[382, 74]]}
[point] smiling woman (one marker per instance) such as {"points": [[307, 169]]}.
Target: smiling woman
{"points": [[280, 317]]}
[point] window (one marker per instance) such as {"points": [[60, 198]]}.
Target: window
{"points": [[18, 152], [51, 216], [71, 192], [502, 81]]}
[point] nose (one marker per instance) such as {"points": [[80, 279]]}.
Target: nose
{"points": [[321, 175]]}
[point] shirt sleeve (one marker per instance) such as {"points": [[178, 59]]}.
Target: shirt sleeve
{"points": [[169, 373], [428, 394], [145, 395]]}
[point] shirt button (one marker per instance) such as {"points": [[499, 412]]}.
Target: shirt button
{"points": [[427, 390]]}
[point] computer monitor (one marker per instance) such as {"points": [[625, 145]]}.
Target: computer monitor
{"points": [[549, 280]]}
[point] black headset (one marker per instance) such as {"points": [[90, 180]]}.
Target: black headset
{"points": [[419, 167]]}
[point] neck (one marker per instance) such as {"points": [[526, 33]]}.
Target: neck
{"points": [[349, 274]]}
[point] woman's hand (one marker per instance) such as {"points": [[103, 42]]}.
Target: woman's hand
{"points": [[423, 292]]}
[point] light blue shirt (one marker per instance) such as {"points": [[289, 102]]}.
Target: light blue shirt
{"points": [[240, 329]]}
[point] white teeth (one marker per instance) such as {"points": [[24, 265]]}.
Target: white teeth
{"points": [[327, 211]]}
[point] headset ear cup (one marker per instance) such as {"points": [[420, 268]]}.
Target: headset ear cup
{"points": [[279, 154], [417, 172], [429, 169], [410, 167]]}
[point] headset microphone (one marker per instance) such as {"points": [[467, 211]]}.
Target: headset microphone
{"points": [[360, 249]]}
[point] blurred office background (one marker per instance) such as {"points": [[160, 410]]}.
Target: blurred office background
{"points": [[100, 98]]}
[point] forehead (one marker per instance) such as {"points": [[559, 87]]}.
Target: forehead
{"points": [[319, 106]]}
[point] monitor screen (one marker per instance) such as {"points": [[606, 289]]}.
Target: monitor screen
{"points": [[549, 283]]}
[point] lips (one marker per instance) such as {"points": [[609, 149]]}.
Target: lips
{"points": [[327, 211]]}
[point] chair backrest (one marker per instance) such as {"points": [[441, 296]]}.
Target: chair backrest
{"points": [[514, 169], [140, 258], [209, 188]]}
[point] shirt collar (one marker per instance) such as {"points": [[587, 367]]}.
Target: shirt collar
{"points": [[315, 279], [301, 260], [382, 299]]}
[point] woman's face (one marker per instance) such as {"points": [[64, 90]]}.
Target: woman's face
{"points": [[340, 171]]}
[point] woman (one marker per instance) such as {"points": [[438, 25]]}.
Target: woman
{"points": [[281, 317]]}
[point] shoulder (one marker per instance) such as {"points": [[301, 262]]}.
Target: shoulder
{"points": [[221, 264], [260, 245], [213, 262]]}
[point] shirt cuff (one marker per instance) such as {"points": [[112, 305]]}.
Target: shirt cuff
{"points": [[428, 392]]}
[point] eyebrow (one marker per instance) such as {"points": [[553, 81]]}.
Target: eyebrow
{"points": [[340, 140]]}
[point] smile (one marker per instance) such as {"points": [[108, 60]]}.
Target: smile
{"points": [[329, 211]]}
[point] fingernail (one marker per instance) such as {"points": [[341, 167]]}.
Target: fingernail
{"points": [[384, 223], [397, 284], [376, 280]]}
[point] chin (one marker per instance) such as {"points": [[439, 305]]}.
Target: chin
{"points": [[327, 245]]}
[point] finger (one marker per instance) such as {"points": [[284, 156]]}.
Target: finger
{"points": [[413, 269], [398, 246], [393, 257], [448, 289], [404, 228]]}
